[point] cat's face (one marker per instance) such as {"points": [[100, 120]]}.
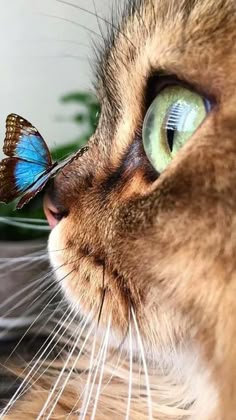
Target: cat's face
{"points": [[160, 246]]}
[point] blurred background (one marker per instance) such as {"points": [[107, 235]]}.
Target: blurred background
{"points": [[45, 53]]}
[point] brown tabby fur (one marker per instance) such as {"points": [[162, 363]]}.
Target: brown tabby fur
{"points": [[168, 243]]}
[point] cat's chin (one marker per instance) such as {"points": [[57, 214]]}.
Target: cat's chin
{"points": [[81, 280]]}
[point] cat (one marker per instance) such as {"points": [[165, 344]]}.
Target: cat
{"points": [[143, 239]]}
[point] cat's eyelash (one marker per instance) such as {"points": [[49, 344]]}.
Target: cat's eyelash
{"points": [[99, 18]]}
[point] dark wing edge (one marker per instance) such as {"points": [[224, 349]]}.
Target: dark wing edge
{"points": [[69, 160], [16, 126], [8, 188], [32, 192]]}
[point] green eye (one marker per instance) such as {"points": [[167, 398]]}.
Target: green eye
{"points": [[170, 121]]}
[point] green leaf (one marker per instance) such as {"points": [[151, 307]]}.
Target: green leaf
{"points": [[80, 118], [81, 97]]}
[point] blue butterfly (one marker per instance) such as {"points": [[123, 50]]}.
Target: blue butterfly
{"points": [[29, 165]]}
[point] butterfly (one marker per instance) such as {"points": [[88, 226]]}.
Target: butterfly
{"points": [[29, 165]]}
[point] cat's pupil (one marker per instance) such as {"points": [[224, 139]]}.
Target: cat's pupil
{"points": [[170, 133], [172, 123]]}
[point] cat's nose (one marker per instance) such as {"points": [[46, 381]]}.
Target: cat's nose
{"points": [[52, 213]]}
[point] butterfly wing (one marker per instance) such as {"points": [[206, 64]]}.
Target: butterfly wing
{"points": [[67, 161], [44, 178], [32, 191], [22, 140], [28, 166], [17, 176]]}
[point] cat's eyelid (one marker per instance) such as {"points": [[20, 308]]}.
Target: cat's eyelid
{"points": [[160, 80]]}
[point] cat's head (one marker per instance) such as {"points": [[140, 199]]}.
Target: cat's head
{"points": [[146, 233]]}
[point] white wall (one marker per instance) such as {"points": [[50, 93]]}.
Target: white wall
{"points": [[43, 57]]}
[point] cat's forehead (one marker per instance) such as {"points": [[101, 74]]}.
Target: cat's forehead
{"points": [[182, 37]]}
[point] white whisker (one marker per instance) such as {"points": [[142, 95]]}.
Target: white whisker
{"points": [[90, 386], [86, 390], [29, 313], [20, 292], [130, 371], [51, 350], [64, 368], [104, 352], [27, 259], [23, 386], [35, 320], [114, 369], [150, 416], [67, 378]]}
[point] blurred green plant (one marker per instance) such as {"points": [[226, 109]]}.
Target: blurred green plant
{"points": [[86, 119]]}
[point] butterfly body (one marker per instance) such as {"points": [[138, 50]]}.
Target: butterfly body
{"points": [[29, 165]]}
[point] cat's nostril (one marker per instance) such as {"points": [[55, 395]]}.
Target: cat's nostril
{"points": [[52, 213]]}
